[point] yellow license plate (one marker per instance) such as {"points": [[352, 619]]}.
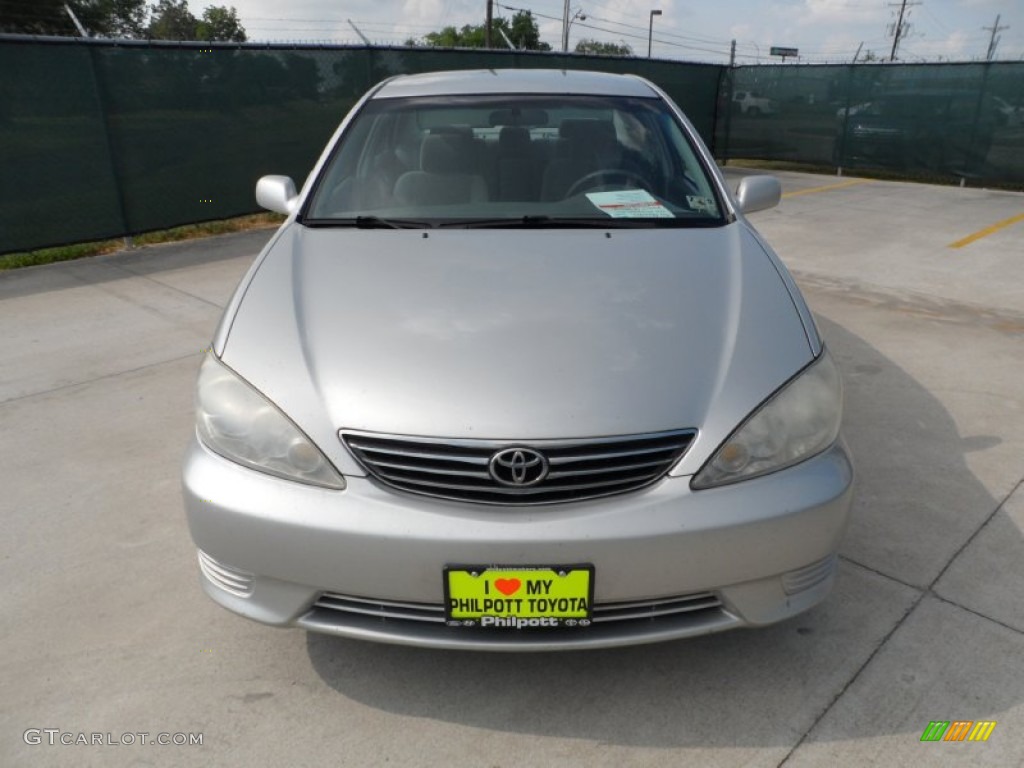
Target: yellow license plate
{"points": [[518, 597]]}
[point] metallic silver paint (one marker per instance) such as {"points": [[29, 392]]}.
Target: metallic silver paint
{"points": [[687, 331], [738, 540], [758, 193], [498, 81], [643, 330], [277, 193]]}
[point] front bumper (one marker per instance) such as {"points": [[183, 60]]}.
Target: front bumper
{"points": [[367, 562]]}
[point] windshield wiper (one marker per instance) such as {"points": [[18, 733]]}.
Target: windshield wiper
{"points": [[539, 222], [566, 222], [376, 222], [370, 222]]}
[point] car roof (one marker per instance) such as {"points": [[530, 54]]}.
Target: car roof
{"points": [[488, 81]]}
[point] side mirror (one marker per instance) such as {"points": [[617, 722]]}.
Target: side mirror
{"points": [[277, 194], [756, 193]]}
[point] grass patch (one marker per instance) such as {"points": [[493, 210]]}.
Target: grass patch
{"points": [[210, 228], [99, 247], [61, 253]]}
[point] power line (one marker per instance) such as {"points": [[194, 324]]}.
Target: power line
{"points": [[619, 33], [687, 42], [361, 22], [938, 22], [723, 47], [693, 38]]}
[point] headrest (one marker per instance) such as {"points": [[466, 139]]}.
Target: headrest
{"points": [[514, 139], [443, 153]]}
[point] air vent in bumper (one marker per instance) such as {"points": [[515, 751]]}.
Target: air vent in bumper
{"points": [[233, 580]]}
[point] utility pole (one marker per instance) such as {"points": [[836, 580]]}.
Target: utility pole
{"points": [[487, 28], [993, 41], [732, 54], [565, 27], [858, 51], [900, 31]]}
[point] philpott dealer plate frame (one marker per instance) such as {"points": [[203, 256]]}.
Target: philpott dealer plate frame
{"points": [[519, 596]]}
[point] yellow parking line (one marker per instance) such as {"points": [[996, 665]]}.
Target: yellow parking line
{"points": [[840, 185], [988, 231]]}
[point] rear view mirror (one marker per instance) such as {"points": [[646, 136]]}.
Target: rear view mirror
{"points": [[277, 194], [528, 117], [756, 193]]}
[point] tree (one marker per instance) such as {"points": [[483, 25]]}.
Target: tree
{"points": [[122, 18], [605, 49], [101, 18], [522, 31], [525, 34], [450, 37], [172, 20], [220, 23], [43, 17]]}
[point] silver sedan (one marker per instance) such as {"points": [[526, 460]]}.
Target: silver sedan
{"points": [[516, 373]]}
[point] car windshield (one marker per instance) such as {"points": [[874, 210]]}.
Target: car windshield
{"points": [[514, 161]]}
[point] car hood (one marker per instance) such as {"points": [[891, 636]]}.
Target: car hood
{"points": [[521, 334]]}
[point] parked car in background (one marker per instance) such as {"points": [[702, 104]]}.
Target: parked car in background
{"points": [[946, 131], [750, 103], [852, 110], [517, 373], [1006, 113]]}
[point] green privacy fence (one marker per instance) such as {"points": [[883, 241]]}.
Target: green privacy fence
{"points": [[102, 139], [931, 121]]}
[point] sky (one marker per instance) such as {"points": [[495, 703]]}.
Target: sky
{"points": [[691, 30]]}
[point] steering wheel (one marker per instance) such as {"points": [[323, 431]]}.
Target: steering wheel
{"points": [[591, 179]]}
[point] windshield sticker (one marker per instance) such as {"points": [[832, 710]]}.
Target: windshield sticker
{"points": [[630, 204], [702, 204]]}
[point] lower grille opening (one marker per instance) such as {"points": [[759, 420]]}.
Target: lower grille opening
{"points": [[700, 612]]}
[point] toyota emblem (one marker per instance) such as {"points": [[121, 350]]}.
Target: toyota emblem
{"points": [[518, 467]]}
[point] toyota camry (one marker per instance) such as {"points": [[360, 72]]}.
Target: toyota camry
{"points": [[517, 373]]}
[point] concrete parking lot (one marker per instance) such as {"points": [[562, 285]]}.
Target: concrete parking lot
{"points": [[918, 290]]}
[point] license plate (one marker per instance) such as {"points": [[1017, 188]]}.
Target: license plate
{"points": [[518, 597]]}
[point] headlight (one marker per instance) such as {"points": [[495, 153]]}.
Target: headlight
{"points": [[236, 421], [799, 421]]}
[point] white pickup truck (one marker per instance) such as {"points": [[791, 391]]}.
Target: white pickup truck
{"points": [[749, 103]]}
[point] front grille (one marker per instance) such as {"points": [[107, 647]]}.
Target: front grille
{"points": [[341, 606], [461, 469]]}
